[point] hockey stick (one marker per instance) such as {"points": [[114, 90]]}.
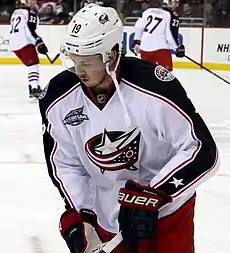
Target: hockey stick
{"points": [[111, 245], [54, 59], [203, 67]]}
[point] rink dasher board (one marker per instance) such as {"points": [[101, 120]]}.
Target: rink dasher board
{"points": [[208, 46]]}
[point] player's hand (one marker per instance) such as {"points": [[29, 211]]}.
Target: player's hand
{"points": [[136, 47], [139, 211], [78, 230], [41, 47], [180, 51]]}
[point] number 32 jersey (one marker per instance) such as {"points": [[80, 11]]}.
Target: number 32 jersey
{"points": [[157, 29], [24, 22]]}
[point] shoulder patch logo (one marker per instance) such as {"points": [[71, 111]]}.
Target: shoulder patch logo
{"points": [[75, 117], [163, 74]]}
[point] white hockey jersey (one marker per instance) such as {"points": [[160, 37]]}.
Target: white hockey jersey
{"points": [[91, 151], [157, 29], [24, 22]]}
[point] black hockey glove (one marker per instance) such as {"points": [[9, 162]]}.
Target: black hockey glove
{"points": [[79, 230], [41, 47], [180, 51], [139, 211]]}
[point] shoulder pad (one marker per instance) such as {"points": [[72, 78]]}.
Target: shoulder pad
{"points": [[152, 78], [57, 86]]}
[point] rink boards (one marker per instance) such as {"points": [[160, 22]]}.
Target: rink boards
{"points": [[209, 46]]}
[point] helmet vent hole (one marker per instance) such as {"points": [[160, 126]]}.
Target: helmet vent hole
{"points": [[68, 48], [83, 11], [115, 22], [86, 24], [77, 51], [74, 21], [95, 14], [103, 33]]}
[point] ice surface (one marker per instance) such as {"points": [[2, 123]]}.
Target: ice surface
{"points": [[30, 205]]}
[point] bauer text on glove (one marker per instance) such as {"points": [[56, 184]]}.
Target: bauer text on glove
{"points": [[139, 211]]}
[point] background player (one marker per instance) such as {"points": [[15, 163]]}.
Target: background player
{"points": [[156, 32], [24, 40], [134, 168]]}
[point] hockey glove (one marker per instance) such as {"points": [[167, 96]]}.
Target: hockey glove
{"points": [[180, 51], [139, 211], [41, 47], [79, 231]]}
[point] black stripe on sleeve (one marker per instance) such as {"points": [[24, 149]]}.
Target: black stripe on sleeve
{"points": [[57, 87]]}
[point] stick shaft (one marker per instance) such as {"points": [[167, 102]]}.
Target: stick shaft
{"points": [[221, 78], [110, 246]]}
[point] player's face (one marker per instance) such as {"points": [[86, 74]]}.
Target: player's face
{"points": [[90, 69], [32, 3]]}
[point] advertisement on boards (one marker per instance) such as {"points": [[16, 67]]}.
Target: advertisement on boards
{"points": [[212, 46], [4, 41], [217, 48]]}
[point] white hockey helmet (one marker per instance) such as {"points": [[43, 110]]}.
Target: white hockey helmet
{"points": [[27, 2], [94, 30], [24, 2], [171, 3]]}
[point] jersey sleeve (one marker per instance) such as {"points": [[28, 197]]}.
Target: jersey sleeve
{"points": [[64, 166], [195, 156], [172, 29], [139, 28], [192, 152], [32, 23]]}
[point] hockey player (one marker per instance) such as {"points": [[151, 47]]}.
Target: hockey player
{"points": [[123, 143], [24, 41], [156, 32]]}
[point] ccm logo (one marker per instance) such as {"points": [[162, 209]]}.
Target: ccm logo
{"points": [[139, 200]]}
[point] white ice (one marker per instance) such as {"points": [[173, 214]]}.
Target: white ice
{"points": [[30, 205]]}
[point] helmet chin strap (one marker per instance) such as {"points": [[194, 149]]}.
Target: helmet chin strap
{"points": [[112, 73], [109, 71]]}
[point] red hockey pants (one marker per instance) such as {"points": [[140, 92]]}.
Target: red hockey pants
{"points": [[162, 57]]}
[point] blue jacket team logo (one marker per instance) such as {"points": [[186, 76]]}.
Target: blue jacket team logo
{"points": [[114, 150]]}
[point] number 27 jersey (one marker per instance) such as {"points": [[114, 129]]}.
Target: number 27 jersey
{"points": [[23, 23], [157, 29]]}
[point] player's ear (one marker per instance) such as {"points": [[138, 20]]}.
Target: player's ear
{"points": [[113, 57]]}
